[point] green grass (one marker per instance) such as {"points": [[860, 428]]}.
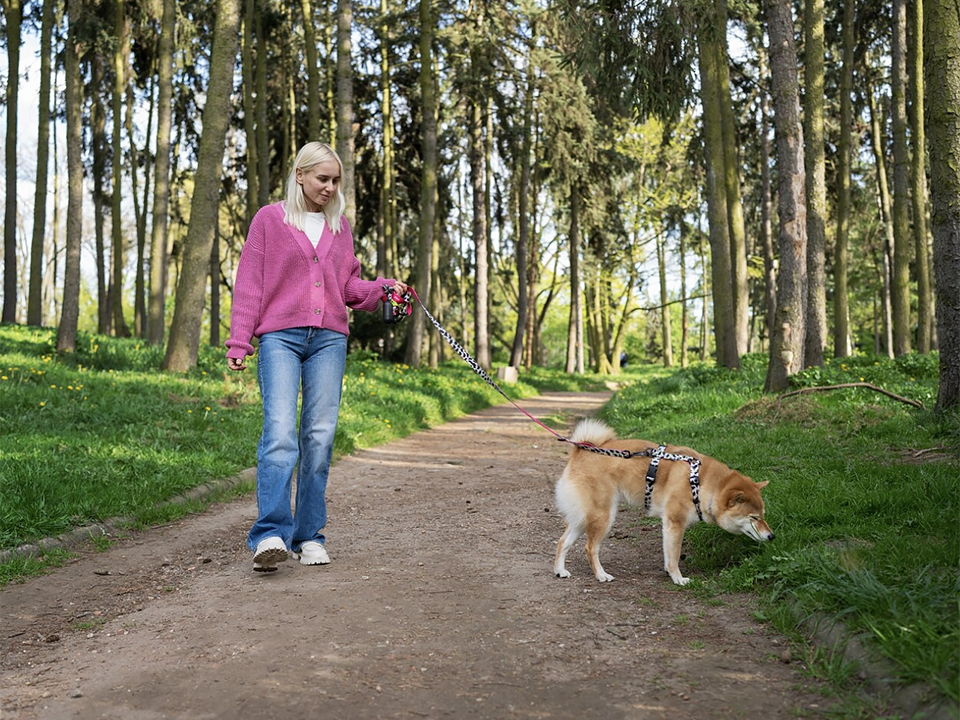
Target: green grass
{"points": [[103, 433], [866, 527]]}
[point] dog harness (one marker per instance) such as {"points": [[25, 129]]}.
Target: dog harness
{"points": [[660, 453]]}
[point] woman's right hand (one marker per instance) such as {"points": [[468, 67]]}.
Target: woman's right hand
{"points": [[237, 364]]}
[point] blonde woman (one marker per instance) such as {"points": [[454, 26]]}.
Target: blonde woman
{"points": [[296, 278]]}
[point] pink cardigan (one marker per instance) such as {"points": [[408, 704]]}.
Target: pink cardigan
{"points": [[283, 282]]}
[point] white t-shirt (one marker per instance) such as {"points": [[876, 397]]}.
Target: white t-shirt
{"points": [[313, 227]]}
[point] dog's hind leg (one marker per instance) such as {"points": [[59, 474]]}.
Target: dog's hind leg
{"points": [[598, 525], [563, 547]]}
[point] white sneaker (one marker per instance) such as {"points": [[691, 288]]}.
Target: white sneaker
{"points": [[311, 553], [269, 552]]}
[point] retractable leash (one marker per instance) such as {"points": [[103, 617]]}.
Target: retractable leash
{"points": [[655, 454]]}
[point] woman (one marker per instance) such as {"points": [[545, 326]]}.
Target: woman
{"points": [[296, 277]]}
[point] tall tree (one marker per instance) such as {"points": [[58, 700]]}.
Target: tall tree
{"points": [[313, 71], [575, 322], [161, 184], [841, 307], [345, 142], [428, 180], [184, 345], [902, 241], [886, 216], [766, 199], [70, 313], [117, 240], [35, 293], [815, 171], [523, 220], [13, 11], [918, 175], [247, 68], [941, 29], [786, 347]]}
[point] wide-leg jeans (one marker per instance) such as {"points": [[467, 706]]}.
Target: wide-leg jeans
{"points": [[311, 360]]}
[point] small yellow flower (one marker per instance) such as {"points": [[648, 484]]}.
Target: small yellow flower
{"points": [[190, 412], [43, 404], [207, 408], [3, 377], [53, 387]]}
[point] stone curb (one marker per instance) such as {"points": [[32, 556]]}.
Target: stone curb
{"points": [[917, 701], [80, 535]]}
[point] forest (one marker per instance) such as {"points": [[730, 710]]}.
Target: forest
{"points": [[569, 183]]}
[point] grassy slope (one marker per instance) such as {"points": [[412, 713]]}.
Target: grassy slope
{"points": [[866, 529]]}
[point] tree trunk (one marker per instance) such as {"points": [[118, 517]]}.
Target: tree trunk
{"points": [[475, 150], [665, 327], [786, 347], [248, 71], [117, 239], [215, 286], [815, 171], [263, 138], [766, 202], [313, 71], [99, 139], [575, 324], [387, 224], [183, 348], [139, 211], [35, 292], [428, 183], [841, 310], [724, 308], [684, 317], [941, 25], [523, 221], [902, 241], [161, 183], [345, 142], [13, 11], [883, 191], [918, 177], [70, 313]]}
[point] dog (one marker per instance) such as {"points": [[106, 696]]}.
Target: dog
{"points": [[592, 485]]}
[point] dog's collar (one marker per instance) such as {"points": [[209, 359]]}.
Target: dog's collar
{"points": [[660, 453]]}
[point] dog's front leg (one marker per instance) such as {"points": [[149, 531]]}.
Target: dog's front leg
{"points": [[673, 529]]}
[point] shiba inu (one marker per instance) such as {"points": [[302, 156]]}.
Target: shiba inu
{"points": [[676, 484]]}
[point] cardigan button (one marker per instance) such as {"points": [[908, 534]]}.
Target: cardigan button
{"points": [[317, 311], [317, 284], [316, 259]]}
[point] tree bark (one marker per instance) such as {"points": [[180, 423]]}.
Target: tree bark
{"points": [[724, 309], [478, 188], [70, 313], [902, 241], [183, 348], [918, 176], [786, 347], [161, 183], [117, 239], [248, 70], [665, 326], [98, 140], [575, 325], [263, 137], [345, 143], [815, 171], [941, 63], [35, 292], [841, 308], [428, 182], [523, 221], [313, 71], [13, 11]]}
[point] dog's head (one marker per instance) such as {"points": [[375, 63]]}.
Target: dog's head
{"points": [[741, 510]]}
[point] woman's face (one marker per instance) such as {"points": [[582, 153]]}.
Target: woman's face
{"points": [[319, 183]]}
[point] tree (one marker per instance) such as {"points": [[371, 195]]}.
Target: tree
{"points": [[841, 308], [345, 106], [313, 71], [183, 347], [902, 245], [35, 293], [161, 184], [118, 242], [815, 170], [918, 176], [13, 11], [67, 330], [941, 29], [786, 347]]}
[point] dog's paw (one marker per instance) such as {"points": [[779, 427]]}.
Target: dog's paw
{"points": [[680, 580], [605, 577], [562, 573]]}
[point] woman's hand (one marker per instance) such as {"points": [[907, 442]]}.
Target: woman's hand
{"points": [[400, 288], [237, 364]]}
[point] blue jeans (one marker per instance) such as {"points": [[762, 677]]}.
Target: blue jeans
{"points": [[315, 359]]}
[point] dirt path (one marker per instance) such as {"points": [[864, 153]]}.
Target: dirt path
{"points": [[440, 603]]}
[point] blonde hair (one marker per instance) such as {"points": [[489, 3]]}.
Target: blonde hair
{"points": [[295, 209]]}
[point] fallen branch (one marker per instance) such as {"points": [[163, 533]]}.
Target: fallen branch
{"points": [[867, 385]]}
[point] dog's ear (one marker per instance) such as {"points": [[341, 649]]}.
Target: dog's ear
{"points": [[736, 499], [762, 485]]}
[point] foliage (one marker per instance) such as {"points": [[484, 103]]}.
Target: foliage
{"points": [[863, 498], [103, 433]]}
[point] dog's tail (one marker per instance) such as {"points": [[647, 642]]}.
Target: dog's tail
{"points": [[593, 431]]}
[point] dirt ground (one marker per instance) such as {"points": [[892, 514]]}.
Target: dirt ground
{"points": [[440, 602]]}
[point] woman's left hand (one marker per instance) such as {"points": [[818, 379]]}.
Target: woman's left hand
{"points": [[400, 288]]}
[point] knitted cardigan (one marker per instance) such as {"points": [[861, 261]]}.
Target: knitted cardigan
{"points": [[284, 282]]}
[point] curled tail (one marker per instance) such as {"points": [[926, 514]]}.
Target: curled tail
{"points": [[593, 431]]}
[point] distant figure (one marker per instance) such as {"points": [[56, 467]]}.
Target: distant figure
{"points": [[296, 278], [623, 359]]}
